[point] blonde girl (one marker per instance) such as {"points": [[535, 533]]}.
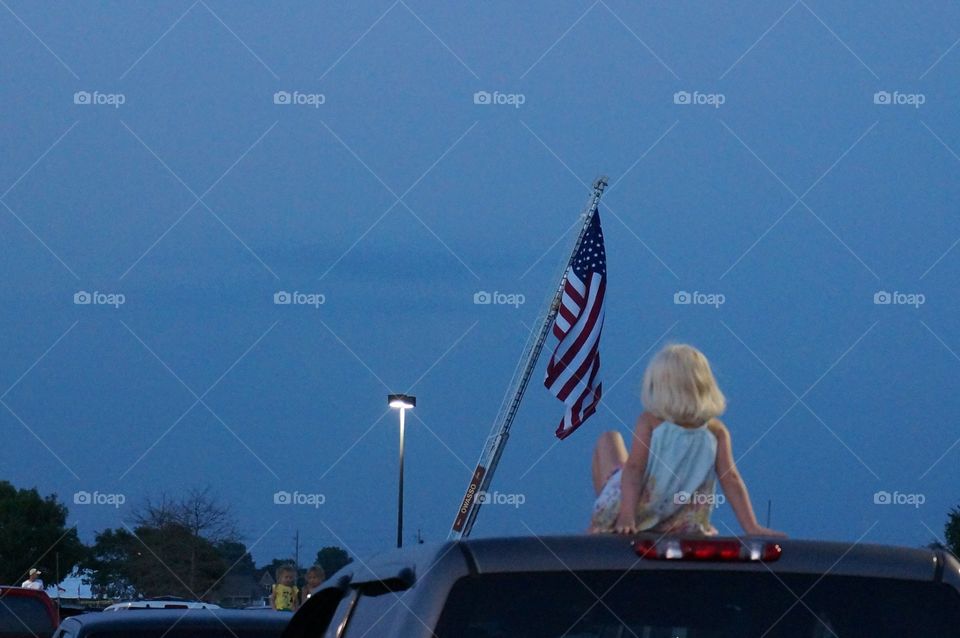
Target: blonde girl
{"points": [[680, 450]]}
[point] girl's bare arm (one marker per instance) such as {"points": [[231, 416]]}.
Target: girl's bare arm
{"points": [[631, 477], [732, 483]]}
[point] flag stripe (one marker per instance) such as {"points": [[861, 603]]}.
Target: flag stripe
{"points": [[580, 380], [575, 289]]}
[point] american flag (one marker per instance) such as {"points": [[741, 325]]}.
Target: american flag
{"points": [[572, 371]]}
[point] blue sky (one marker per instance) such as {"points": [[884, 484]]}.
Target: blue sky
{"points": [[827, 175]]}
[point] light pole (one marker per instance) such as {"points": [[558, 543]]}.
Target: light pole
{"points": [[402, 402]]}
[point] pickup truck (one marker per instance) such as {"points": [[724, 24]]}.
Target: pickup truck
{"points": [[26, 613], [607, 586]]}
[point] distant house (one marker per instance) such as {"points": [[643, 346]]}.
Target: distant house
{"points": [[267, 581], [239, 590]]}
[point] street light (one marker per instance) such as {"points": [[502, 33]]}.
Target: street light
{"points": [[402, 402]]}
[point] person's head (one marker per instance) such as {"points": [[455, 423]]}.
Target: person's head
{"points": [[33, 574], [286, 575], [315, 576], [679, 387]]}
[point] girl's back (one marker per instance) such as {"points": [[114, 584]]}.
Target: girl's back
{"points": [[678, 485]]}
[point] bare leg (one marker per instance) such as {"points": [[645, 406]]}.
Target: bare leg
{"points": [[609, 454]]}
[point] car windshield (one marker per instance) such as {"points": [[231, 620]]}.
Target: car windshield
{"points": [[696, 604], [24, 616]]}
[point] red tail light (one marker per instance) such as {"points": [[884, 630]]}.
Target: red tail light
{"points": [[645, 549], [708, 550]]}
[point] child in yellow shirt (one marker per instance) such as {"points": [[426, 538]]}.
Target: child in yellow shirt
{"points": [[284, 595]]}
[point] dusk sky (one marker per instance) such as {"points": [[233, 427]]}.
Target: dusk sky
{"points": [[186, 161]]}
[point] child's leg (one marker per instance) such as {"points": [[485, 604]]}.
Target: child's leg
{"points": [[609, 455]]}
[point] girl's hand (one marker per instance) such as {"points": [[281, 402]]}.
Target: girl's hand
{"points": [[759, 530]]}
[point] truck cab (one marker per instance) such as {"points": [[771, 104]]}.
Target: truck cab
{"points": [[643, 587]]}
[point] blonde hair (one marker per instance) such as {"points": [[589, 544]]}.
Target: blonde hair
{"points": [[678, 386]]}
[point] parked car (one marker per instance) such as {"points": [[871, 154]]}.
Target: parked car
{"points": [[176, 623], [26, 613], [169, 602], [645, 587]]}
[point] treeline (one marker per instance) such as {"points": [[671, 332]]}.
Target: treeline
{"points": [[186, 547]]}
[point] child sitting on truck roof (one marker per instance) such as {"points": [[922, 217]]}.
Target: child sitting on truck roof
{"points": [[284, 596], [680, 449]]}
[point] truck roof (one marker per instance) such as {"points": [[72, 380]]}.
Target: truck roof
{"points": [[399, 569], [186, 618]]}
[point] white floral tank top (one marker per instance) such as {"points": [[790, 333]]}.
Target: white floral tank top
{"points": [[678, 492]]}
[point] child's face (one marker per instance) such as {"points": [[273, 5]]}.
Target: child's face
{"points": [[313, 579], [286, 578]]}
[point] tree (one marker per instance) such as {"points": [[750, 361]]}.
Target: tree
{"points": [[174, 561], [34, 533], [199, 511], [109, 559], [155, 561], [332, 559], [197, 522], [238, 559], [951, 531], [179, 547]]}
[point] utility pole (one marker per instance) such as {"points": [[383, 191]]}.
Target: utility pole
{"points": [[296, 552]]}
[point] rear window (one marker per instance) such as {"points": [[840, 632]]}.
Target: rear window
{"points": [[191, 632], [696, 604], [24, 616]]}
